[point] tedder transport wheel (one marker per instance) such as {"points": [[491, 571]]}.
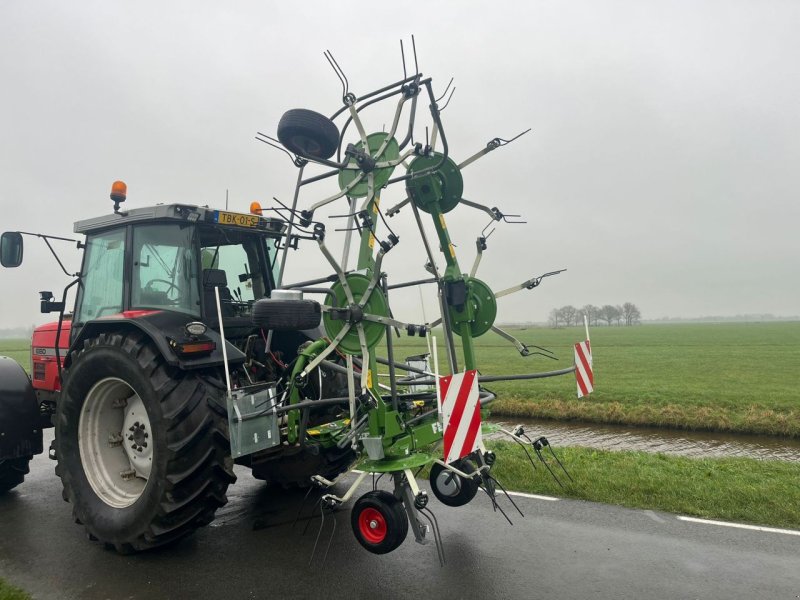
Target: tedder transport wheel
{"points": [[450, 488], [143, 448], [12, 472], [379, 522], [308, 133]]}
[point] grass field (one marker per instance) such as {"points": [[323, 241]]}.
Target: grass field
{"points": [[724, 377]]}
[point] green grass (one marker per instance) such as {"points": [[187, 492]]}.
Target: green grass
{"points": [[733, 489], [19, 350], [9, 592], [722, 377]]}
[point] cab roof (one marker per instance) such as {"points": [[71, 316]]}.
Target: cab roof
{"points": [[182, 213]]}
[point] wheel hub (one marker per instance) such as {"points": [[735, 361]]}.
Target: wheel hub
{"points": [[115, 442]]}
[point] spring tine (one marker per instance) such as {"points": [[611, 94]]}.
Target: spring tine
{"points": [[544, 462], [439, 99], [437, 536], [302, 506], [330, 540], [528, 454], [311, 517], [403, 56], [496, 506], [500, 485], [316, 541], [559, 463]]}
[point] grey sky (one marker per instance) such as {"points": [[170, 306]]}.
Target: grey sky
{"points": [[661, 169]]}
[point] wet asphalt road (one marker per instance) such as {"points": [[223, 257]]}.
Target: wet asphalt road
{"points": [[562, 549]]}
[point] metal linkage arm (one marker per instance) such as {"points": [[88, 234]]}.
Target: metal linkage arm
{"points": [[493, 144], [521, 347], [527, 285]]}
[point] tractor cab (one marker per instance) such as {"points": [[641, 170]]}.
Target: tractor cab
{"points": [[177, 259]]}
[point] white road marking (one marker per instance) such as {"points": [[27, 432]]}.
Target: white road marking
{"points": [[533, 496], [740, 526]]}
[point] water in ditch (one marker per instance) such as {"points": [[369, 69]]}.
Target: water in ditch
{"points": [[653, 439]]}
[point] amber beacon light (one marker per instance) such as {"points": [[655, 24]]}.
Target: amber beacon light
{"points": [[119, 192]]}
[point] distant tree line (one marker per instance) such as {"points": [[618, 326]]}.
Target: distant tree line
{"points": [[608, 314]]}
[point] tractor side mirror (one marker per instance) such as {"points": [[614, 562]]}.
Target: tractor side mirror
{"points": [[11, 249]]}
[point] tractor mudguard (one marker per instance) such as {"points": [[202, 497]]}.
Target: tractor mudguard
{"points": [[20, 429], [164, 328]]}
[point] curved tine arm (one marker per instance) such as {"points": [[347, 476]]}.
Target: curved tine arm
{"points": [[338, 270], [526, 285], [476, 156], [477, 262], [385, 321], [435, 323], [343, 192], [396, 208], [370, 191], [393, 130], [324, 354], [435, 137], [376, 275], [480, 207], [395, 162], [359, 126], [521, 348], [362, 341]]}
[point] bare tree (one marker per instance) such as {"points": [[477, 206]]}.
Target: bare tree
{"points": [[568, 314], [608, 313], [631, 314], [590, 310], [555, 318]]}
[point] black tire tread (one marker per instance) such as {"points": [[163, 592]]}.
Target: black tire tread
{"points": [[301, 124], [12, 472], [199, 467]]}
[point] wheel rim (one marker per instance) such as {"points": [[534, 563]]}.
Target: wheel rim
{"points": [[448, 483], [115, 441], [372, 525]]}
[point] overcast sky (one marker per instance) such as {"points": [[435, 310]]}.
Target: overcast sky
{"points": [[662, 166]]}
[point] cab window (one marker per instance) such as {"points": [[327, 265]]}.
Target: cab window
{"points": [[100, 292], [164, 270]]}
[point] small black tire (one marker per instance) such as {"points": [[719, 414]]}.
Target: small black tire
{"points": [[286, 315], [12, 472], [379, 522], [189, 468], [308, 133], [450, 488]]}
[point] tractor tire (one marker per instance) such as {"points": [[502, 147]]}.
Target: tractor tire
{"points": [[143, 448], [12, 472], [308, 133], [379, 522], [450, 488]]}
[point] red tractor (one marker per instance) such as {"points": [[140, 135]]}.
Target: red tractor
{"points": [[134, 380]]}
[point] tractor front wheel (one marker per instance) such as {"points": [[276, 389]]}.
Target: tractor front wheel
{"points": [[143, 448], [379, 522], [12, 472]]}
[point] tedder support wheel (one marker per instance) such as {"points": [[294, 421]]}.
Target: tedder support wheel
{"points": [[308, 133], [450, 488], [12, 472], [379, 521], [143, 448]]}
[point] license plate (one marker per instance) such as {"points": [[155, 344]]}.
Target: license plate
{"points": [[238, 219]]}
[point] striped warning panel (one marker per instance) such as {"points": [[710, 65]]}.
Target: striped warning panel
{"points": [[583, 368], [461, 414]]}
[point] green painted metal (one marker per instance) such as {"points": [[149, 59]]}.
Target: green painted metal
{"points": [[390, 465], [375, 305], [381, 176], [442, 188], [484, 308], [305, 357]]}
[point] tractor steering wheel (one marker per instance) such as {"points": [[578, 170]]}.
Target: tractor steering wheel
{"points": [[170, 286]]}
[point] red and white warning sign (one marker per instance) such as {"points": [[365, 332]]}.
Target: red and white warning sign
{"points": [[583, 368], [461, 414]]}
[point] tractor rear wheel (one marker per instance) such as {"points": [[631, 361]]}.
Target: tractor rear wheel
{"points": [[143, 448], [12, 472]]}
